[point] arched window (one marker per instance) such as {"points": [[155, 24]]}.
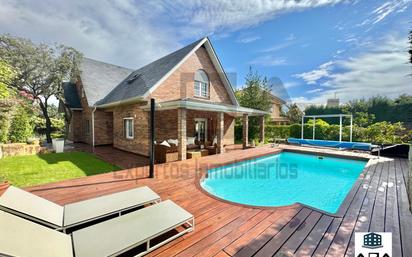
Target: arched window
{"points": [[201, 84]]}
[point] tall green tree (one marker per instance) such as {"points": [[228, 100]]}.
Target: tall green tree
{"points": [[294, 114], [256, 94], [41, 70], [6, 76]]}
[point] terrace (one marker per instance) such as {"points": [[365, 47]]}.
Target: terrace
{"points": [[378, 201]]}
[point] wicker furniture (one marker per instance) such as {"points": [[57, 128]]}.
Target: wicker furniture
{"points": [[196, 153]]}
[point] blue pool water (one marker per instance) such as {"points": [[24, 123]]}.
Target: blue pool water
{"points": [[284, 179]]}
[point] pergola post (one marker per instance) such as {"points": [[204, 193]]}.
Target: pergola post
{"points": [[245, 121], [351, 130], [314, 127], [262, 129], [340, 128], [220, 132], [303, 120], [181, 131]]}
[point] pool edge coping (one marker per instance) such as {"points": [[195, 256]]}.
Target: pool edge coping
{"points": [[341, 210]]}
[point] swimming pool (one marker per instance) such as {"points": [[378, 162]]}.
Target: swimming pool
{"points": [[284, 179]]}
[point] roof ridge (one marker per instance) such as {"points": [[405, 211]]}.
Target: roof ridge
{"points": [[111, 64]]}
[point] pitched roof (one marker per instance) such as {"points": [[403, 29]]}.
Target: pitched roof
{"points": [[139, 82], [99, 78], [71, 96]]}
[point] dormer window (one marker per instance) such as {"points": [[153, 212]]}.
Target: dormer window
{"points": [[201, 84]]}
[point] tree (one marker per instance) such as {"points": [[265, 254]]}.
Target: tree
{"points": [[41, 70], [256, 93], [294, 114], [6, 76], [20, 128]]}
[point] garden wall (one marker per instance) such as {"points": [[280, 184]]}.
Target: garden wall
{"points": [[20, 149]]}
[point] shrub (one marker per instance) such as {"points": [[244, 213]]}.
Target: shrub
{"points": [[20, 127], [379, 133]]}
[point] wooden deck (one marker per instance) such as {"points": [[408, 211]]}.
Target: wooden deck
{"points": [[377, 202]]}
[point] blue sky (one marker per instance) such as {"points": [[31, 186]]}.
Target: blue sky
{"points": [[315, 47]]}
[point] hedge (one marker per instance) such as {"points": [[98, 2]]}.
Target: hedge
{"points": [[379, 133]]}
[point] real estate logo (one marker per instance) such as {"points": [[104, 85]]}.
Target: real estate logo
{"points": [[373, 244]]}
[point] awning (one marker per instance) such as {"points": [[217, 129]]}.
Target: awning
{"points": [[191, 104]]}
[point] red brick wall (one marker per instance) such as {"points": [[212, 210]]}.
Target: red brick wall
{"points": [[180, 84], [140, 143], [103, 123]]}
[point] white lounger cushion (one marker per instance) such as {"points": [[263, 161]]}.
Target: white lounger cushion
{"points": [[36, 208], [23, 238], [32, 205], [97, 207], [116, 235]]}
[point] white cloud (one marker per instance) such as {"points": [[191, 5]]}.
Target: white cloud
{"points": [[207, 17], [290, 84], [382, 70], [132, 33], [101, 29], [381, 12], [316, 90], [268, 60], [245, 39], [313, 76]]}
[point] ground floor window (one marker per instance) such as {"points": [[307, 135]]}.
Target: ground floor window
{"points": [[128, 128]]}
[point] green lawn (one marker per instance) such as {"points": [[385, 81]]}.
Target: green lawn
{"points": [[32, 170]]}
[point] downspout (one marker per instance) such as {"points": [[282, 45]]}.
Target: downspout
{"points": [[93, 127]]}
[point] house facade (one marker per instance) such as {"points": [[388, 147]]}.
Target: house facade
{"points": [[276, 111], [194, 99]]}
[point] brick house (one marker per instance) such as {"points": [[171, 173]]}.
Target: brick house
{"points": [[276, 110], [194, 98]]}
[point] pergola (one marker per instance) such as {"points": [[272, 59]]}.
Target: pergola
{"points": [[341, 116]]}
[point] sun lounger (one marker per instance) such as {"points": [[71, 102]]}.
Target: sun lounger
{"points": [[20, 237], [30, 206]]}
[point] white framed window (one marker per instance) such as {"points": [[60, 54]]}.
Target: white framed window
{"points": [[201, 84], [128, 128]]}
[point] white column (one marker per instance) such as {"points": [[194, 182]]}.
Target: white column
{"points": [[303, 119], [181, 132], [262, 129], [314, 128], [351, 123], [340, 128], [245, 130], [220, 132]]}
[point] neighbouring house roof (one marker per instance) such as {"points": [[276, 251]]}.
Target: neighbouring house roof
{"points": [[71, 96], [278, 99], [99, 78]]}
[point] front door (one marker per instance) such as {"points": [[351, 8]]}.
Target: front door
{"points": [[201, 129]]}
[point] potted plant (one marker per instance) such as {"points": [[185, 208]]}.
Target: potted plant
{"points": [[58, 143]]}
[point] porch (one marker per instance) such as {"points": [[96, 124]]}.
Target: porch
{"points": [[190, 126]]}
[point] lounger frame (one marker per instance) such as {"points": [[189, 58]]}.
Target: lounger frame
{"points": [[190, 223], [118, 212]]}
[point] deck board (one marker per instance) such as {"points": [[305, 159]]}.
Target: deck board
{"points": [[378, 201]]}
